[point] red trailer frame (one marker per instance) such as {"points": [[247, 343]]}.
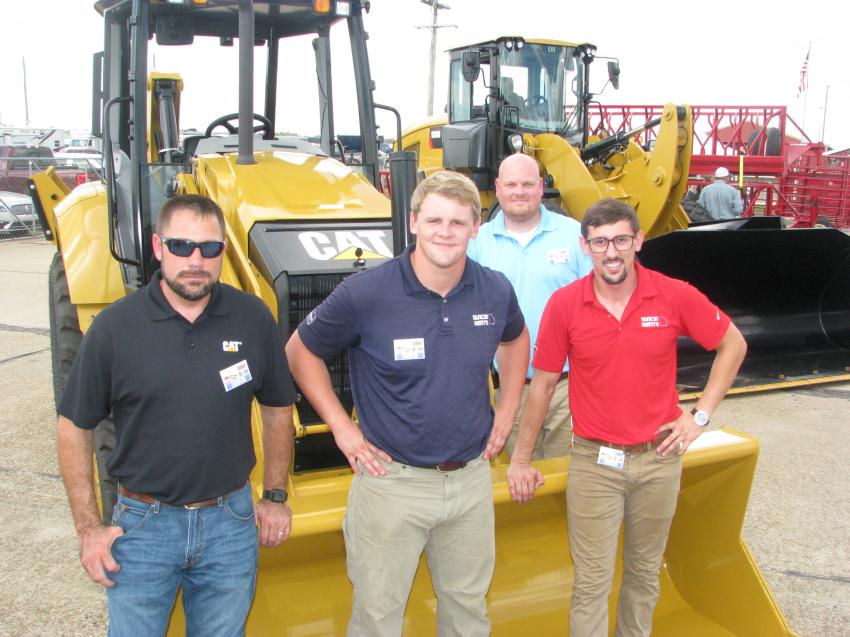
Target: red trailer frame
{"points": [[780, 170]]}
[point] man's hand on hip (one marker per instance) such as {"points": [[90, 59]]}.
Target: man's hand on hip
{"points": [[683, 431], [274, 520], [96, 552], [355, 447], [524, 480]]}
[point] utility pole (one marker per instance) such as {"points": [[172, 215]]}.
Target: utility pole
{"points": [[26, 100], [823, 125], [436, 6]]}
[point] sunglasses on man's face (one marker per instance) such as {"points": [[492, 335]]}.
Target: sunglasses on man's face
{"points": [[184, 247]]}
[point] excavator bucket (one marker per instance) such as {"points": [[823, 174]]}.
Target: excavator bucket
{"points": [[788, 290], [710, 584]]}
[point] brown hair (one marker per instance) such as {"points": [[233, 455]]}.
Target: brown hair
{"points": [[200, 205], [449, 184], [607, 211]]}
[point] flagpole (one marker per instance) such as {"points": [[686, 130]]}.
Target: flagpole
{"points": [[806, 88], [805, 103]]}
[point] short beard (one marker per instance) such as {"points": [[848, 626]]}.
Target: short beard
{"points": [[522, 215], [615, 280], [189, 293]]}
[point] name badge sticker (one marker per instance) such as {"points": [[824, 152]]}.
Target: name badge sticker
{"points": [[409, 349], [235, 375], [609, 457], [558, 255]]}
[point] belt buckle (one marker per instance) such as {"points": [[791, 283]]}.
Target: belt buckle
{"points": [[451, 465], [193, 505]]}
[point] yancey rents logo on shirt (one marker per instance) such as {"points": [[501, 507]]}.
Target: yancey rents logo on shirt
{"points": [[483, 319], [653, 321]]}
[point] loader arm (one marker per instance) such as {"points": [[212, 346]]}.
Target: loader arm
{"points": [[651, 182]]}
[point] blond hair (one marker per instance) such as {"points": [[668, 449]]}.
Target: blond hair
{"points": [[451, 185]]}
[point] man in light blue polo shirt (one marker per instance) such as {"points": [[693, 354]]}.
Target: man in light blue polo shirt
{"points": [[538, 251]]}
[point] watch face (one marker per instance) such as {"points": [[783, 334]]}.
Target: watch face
{"points": [[700, 418]]}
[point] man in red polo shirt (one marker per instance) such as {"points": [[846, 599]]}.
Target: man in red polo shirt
{"points": [[619, 325]]}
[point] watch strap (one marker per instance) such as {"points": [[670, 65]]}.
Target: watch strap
{"points": [[275, 495]]}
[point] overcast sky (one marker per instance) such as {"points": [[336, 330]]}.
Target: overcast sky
{"points": [[723, 53]]}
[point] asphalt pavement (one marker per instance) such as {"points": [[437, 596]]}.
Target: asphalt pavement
{"points": [[797, 525]]}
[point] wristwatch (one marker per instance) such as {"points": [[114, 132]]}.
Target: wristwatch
{"points": [[701, 418], [275, 495]]}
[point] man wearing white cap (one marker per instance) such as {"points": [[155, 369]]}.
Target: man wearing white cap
{"points": [[720, 199]]}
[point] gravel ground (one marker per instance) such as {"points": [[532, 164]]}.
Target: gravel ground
{"points": [[797, 526]]}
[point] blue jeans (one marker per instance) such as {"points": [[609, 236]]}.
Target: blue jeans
{"points": [[211, 552]]}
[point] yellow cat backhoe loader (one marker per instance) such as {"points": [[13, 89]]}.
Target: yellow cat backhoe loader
{"points": [[299, 219]]}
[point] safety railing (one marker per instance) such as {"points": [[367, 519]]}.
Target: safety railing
{"points": [[783, 171]]}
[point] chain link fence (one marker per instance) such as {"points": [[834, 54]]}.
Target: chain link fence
{"points": [[18, 219]]}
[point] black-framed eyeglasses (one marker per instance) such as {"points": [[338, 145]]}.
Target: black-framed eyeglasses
{"points": [[621, 242], [184, 247]]}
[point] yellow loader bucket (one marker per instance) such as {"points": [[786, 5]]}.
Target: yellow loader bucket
{"points": [[710, 584]]}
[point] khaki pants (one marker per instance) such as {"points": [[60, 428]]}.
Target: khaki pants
{"points": [[388, 523], [642, 497], [554, 438]]}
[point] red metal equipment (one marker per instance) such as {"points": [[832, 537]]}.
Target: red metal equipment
{"points": [[781, 171]]}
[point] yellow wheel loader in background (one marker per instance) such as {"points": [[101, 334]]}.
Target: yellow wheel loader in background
{"points": [[299, 220], [788, 290]]}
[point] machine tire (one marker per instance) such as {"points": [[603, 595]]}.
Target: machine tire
{"points": [[65, 339], [772, 142]]}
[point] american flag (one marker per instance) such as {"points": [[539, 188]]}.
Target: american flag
{"points": [[804, 75]]}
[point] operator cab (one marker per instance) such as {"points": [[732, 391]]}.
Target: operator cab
{"points": [[137, 111], [503, 88]]}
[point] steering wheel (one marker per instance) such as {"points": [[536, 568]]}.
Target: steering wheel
{"points": [[225, 121], [536, 102]]}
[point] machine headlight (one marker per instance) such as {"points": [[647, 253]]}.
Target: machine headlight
{"points": [[515, 142]]}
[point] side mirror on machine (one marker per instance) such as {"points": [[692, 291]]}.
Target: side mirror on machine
{"points": [[614, 73], [471, 65]]}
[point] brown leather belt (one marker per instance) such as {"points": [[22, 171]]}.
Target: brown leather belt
{"points": [[149, 499], [640, 447], [448, 465]]}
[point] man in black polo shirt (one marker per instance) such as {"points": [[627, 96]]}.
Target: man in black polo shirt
{"points": [[421, 331], [178, 364]]}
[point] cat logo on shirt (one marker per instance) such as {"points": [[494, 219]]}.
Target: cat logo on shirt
{"points": [[230, 346]]}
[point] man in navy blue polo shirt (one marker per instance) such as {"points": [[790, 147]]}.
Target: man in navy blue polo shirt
{"points": [[178, 364], [539, 251], [421, 331]]}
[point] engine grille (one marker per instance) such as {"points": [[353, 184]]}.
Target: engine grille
{"points": [[305, 293]]}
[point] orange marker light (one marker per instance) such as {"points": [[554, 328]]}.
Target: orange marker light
{"points": [[322, 6]]}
